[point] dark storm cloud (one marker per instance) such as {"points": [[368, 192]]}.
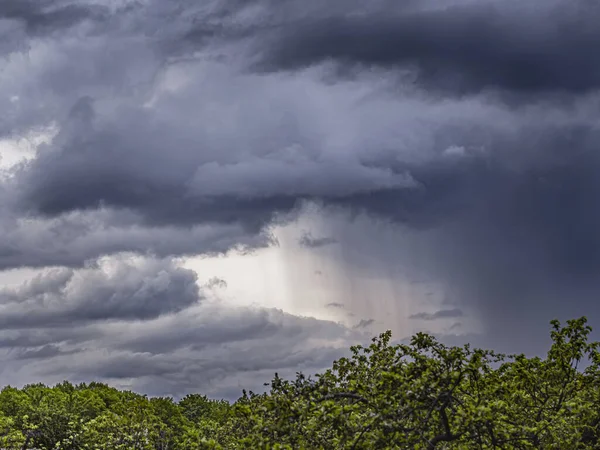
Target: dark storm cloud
{"points": [[514, 235], [167, 145], [532, 47], [441, 314], [123, 291], [45, 16], [201, 179]]}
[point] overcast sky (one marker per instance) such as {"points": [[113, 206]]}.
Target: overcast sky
{"points": [[194, 195]]}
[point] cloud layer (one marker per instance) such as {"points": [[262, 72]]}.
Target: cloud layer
{"points": [[452, 144], [467, 47], [118, 290], [144, 324]]}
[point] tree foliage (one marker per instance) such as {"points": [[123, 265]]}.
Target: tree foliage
{"points": [[419, 395]]}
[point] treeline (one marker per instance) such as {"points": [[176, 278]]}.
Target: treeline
{"points": [[97, 416], [421, 395]]}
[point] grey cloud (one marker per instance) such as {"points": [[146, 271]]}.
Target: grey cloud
{"points": [[45, 16], [46, 351], [456, 326], [441, 314], [119, 290], [210, 346], [198, 333], [216, 282], [247, 163], [248, 365], [226, 326], [28, 339], [137, 365], [541, 204], [208, 176], [541, 46], [328, 178], [119, 50], [307, 240], [165, 152], [244, 169], [217, 349], [72, 239], [334, 305], [511, 247], [530, 239], [42, 78], [364, 323]]}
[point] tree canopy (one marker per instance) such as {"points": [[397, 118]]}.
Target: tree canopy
{"points": [[418, 395]]}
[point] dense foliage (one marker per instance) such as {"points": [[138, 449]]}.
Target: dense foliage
{"points": [[421, 395]]}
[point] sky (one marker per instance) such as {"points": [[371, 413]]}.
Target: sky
{"points": [[196, 195]]}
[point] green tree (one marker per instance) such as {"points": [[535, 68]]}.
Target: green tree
{"points": [[11, 438], [425, 395]]}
